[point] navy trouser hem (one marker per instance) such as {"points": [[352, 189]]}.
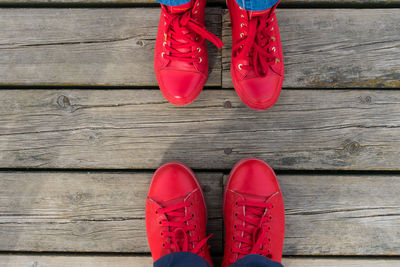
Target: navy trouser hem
{"points": [[184, 259], [181, 259]]}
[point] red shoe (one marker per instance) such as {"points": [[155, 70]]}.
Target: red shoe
{"points": [[253, 212], [176, 215], [257, 61], [181, 59]]}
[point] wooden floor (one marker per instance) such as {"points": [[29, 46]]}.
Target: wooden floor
{"points": [[83, 126]]}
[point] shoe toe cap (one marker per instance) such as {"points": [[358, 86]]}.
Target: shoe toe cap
{"points": [[172, 181], [253, 177], [181, 87], [261, 93]]}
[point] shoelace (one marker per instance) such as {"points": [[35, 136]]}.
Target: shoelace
{"points": [[255, 237], [183, 33], [257, 46], [178, 237]]}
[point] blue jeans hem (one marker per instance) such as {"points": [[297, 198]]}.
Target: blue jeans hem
{"points": [[249, 5]]}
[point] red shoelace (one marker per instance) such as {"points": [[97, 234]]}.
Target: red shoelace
{"points": [[257, 46], [178, 237], [184, 35], [253, 234]]}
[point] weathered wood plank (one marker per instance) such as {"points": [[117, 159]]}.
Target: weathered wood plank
{"points": [[334, 48], [146, 261], [86, 46], [306, 129], [85, 211], [104, 212], [115, 47], [221, 2]]}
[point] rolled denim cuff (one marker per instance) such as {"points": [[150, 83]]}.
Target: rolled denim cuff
{"points": [[256, 5], [173, 2]]}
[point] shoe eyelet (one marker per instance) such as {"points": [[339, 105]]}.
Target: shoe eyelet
{"points": [[274, 49], [241, 25], [272, 28], [241, 15], [191, 203], [156, 212], [272, 19], [240, 66], [241, 35], [199, 49], [164, 43], [196, 12], [200, 59], [195, 226], [236, 201], [234, 226], [273, 38], [159, 222], [192, 215], [236, 214], [276, 61], [162, 54]]}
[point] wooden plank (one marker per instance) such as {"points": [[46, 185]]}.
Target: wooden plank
{"points": [[85, 211], [104, 212], [139, 129], [334, 48], [146, 261], [86, 46], [115, 47], [213, 2]]}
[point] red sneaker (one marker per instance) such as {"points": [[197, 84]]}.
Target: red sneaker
{"points": [[176, 215], [181, 59], [253, 212], [257, 61]]}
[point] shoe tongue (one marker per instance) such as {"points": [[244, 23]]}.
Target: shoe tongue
{"points": [[174, 218], [181, 8], [254, 14], [174, 201]]}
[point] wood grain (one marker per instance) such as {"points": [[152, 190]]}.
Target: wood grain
{"points": [[334, 48], [86, 46], [146, 261], [139, 129], [213, 2], [85, 211], [324, 48], [104, 212]]}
